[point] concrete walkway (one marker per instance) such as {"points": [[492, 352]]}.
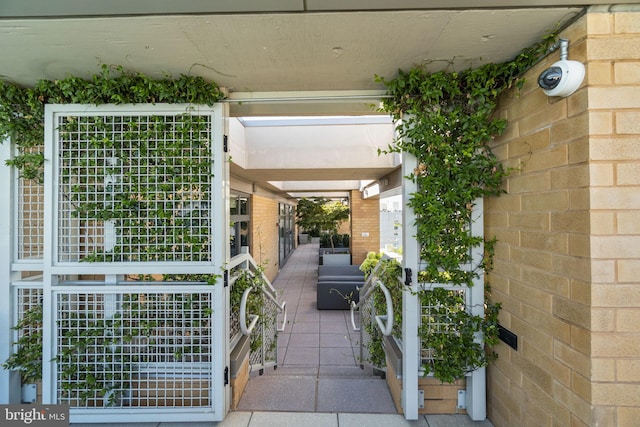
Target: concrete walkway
{"points": [[318, 354], [315, 419]]}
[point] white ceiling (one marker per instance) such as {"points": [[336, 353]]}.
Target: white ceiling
{"points": [[252, 52], [270, 49]]}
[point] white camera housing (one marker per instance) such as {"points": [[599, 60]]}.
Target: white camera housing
{"points": [[562, 78]]}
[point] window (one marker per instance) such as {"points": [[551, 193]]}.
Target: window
{"points": [[239, 216], [286, 231]]}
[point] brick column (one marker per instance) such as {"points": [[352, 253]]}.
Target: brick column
{"points": [[365, 226], [264, 234]]}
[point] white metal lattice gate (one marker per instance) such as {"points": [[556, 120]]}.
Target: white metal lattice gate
{"points": [[124, 244]]}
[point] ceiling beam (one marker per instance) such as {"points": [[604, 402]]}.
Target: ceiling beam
{"points": [[305, 103]]}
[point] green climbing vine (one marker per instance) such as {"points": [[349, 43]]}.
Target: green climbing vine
{"points": [[22, 109], [148, 177], [256, 304], [27, 359], [388, 271], [446, 120]]}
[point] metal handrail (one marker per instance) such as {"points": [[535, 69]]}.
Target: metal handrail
{"points": [[365, 292], [353, 308], [267, 290], [246, 330], [385, 322], [281, 307]]}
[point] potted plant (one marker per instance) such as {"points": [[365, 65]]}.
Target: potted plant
{"points": [[322, 217], [319, 215], [309, 214]]}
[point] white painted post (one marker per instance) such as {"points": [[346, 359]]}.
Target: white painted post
{"points": [[410, 306], [220, 221], [476, 382], [9, 380], [50, 220]]}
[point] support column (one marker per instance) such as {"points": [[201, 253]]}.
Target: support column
{"points": [[410, 303], [9, 380]]}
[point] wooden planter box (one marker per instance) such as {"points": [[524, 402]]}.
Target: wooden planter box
{"points": [[192, 391], [170, 392], [239, 382], [439, 397], [239, 369]]}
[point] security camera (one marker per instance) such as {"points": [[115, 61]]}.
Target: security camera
{"points": [[564, 76]]}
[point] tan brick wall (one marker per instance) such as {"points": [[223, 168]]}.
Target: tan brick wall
{"points": [[264, 234], [567, 263], [365, 218], [614, 156]]}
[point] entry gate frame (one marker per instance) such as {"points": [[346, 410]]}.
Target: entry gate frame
{"points": [[52, 270], [476, 380]]}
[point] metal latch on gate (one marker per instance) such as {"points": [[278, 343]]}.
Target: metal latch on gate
{"points": [[420, 399], [407, 277]]}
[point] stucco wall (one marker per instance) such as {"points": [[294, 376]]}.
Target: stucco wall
{"points": [[568, 259]]}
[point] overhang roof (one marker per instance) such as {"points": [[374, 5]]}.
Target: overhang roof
{"points": [[327, 47], [297, 46]]}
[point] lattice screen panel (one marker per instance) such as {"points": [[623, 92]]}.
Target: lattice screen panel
{"points": [[146, 349], [134, 188], [265, 336], [30, 229], [29, 306], [436, 319], [369, 332], [234, 325]]}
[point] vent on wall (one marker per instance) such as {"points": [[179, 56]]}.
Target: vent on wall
{"points": [[508, 337]]}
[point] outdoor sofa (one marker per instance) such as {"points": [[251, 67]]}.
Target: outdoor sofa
{"points": [[337, 286]]}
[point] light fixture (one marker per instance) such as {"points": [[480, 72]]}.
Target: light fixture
{"points": [[371, 190]]}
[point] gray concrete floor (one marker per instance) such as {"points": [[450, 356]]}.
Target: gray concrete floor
{"points": [[317, 419]]}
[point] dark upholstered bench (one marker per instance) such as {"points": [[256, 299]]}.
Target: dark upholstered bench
{"points": [[346, 271], [338, 286], [337, 295]]}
